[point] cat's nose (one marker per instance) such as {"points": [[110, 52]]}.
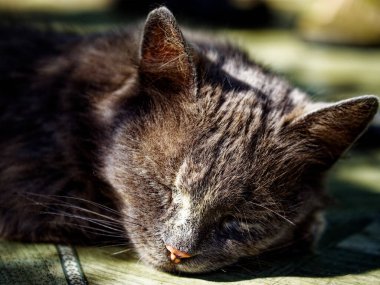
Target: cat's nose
{"points": [[176, 255]]}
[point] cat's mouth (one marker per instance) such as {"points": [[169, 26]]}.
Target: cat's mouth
{"points": [[200, 263], [169, 259]]}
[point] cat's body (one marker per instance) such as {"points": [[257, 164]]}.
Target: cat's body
{"points": [[172, 144]]}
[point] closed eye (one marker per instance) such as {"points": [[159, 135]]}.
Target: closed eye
{"points": [[233, 228], [229, 227], [228, 223]]}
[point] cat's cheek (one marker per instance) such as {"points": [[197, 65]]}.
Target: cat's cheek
{"points": [[151, 252]]}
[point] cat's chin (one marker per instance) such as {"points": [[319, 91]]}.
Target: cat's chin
{"points": [[203, 267]]}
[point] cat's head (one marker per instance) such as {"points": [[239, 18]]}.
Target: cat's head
{"points": [[222, 159]]}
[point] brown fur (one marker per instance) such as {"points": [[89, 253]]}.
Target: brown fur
{"points": [[176, 141]]}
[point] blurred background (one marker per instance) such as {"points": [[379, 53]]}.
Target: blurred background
{"points": [[328, 46], [331, 48]]}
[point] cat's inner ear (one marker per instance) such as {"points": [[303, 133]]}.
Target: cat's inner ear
{"points": [[331, 130], [165, 60]]}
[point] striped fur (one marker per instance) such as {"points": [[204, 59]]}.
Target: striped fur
{"points": [[164, 140]]}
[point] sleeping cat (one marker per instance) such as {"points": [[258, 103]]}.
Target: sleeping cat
{"points": [[177, 144]]}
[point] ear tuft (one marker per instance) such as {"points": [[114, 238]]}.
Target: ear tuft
{"points": [[165, 57]]}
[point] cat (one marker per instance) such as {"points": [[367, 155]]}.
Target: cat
{"points": [[173, 142]]}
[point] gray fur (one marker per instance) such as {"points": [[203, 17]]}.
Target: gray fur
{"points": [[168, 140]]}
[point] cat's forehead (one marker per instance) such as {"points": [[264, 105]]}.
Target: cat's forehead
{"points": [[211, 181], [241, 75], [238, 129]]}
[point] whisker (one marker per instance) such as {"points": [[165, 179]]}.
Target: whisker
{"points": [[274, 212], [93, 228], [95, 221], [78, 199], [121, 251], [61, 203], [112, 221], [111, 243], [115, 245]]}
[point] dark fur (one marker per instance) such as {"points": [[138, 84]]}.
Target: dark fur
{"points": [[161, 140]]}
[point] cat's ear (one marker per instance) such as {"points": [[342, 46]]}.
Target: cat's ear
{"points": [[332, 129], [165, 60]]}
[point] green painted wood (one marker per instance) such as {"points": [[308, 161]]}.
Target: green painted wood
{"points": [[30, 264]]}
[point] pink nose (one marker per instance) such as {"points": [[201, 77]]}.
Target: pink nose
{"points": [[176, 255]]}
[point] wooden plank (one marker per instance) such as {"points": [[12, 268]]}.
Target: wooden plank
{"points": [[30, 264]]}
